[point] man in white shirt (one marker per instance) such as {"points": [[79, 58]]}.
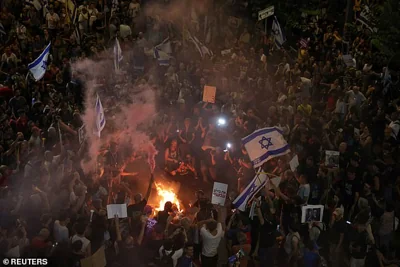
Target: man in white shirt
{"points": [[211, 233], [61, 232], [355, 97], [80, 235], [52, 20], [167, 249]]}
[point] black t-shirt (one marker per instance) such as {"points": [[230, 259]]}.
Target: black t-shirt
{"points": [[134, 212], [74, 260], [350, 188], [267, 234], [360, 240], [338, 227], [316, 191]]}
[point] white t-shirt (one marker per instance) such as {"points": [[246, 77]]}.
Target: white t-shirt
{"points": [[61, 232], [304, 191], [175, 257], [211, 242], [85, 242], [52, 20]]}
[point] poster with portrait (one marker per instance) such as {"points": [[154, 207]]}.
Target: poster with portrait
{"points": [[312, 213], [332, 159]]}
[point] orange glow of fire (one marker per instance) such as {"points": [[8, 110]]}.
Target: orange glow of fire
{"points": [[166, 194]]}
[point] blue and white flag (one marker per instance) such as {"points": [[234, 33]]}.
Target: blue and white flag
{"points": [[265, 144], [117, 54], [39, 66], [277, 32], [100, 117], [34, 3], [203, 50], [162, 52], [251, 190], [2, 30]]}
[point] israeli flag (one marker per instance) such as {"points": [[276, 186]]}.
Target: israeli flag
{"points": [[277, 32], [251, 190], [265, 144], [38, 67], [100, 118], [2, 30], [117, 54], [203, 50], [162, 52]]}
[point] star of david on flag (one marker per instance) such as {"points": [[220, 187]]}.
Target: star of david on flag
{"points": [[265, 144], [251, 190], [39, 66]]}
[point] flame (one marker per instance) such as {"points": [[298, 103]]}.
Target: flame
{"points": [[166, 194]]}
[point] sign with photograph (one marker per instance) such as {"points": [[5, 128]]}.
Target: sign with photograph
{"points": [[332, 159], [312, 213], [219, 193]]}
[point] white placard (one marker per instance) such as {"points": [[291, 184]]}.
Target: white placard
{"points": [[117, 209], [209, 94], [265, 13], [332, 159], [219, 193], [312, 213], [294, 163], [356, 132]]}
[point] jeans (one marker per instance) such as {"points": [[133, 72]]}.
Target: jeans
{"points": [[209, 261], [357, 262], [267, 256]]}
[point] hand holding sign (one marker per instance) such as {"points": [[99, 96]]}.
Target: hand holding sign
{"points": [[219, 193]]}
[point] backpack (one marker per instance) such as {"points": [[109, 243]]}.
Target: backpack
{"points": [[301, 247], [323, 237], [166, 260]]}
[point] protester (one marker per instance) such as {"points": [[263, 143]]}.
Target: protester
{"points": [[56, 180]]}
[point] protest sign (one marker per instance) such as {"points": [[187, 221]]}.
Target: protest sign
{"points": [[332, 159], [98, 259], [209, 94], [312, 213], [294, 163], [117, 209], [219, 193]]}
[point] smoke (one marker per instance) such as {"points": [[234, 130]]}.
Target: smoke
{"points": [[129, 110]]}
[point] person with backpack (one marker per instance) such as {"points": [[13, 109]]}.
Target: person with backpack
{"points": [[293, 246], [169, 255]]}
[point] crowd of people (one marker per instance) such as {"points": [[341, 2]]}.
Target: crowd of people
{"points": [[50, 207]]}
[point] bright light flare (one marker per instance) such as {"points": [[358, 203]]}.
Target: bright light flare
{"points": [[221, 121]]}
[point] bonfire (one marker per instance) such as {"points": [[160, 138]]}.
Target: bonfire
{"points": [[165, 194]]}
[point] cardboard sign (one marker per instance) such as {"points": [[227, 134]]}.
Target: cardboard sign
{"points": [[209, 94], [219, 193], [294, 163], [117, 209], [98, 259], [312, 213]]}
